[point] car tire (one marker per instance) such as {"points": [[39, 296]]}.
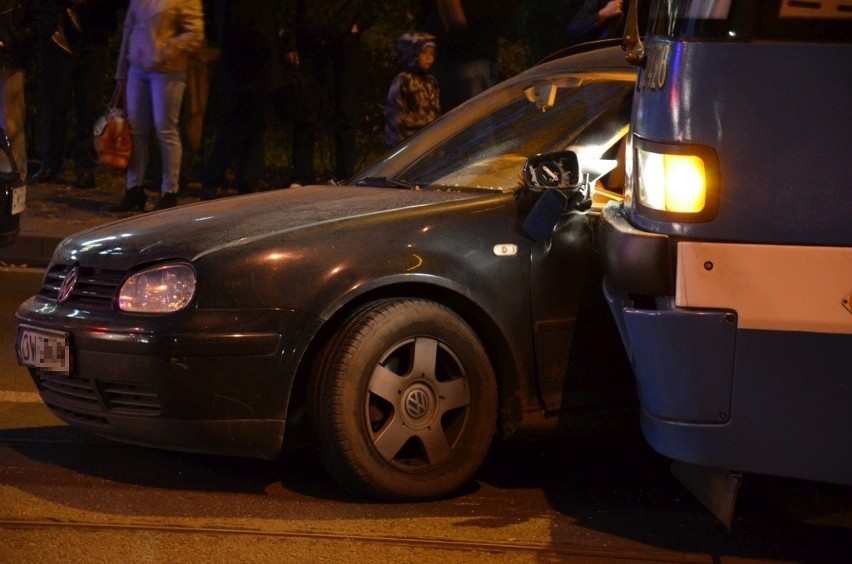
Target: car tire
{"points": [[404, 402]]}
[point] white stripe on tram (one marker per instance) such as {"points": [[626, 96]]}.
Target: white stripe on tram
{"points": [[771, 287]]}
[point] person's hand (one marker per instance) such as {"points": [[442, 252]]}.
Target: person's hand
{"points": [[292, 58], [611, 10]]}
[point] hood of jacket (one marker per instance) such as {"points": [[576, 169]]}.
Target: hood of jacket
{"points": [[410, 45]]}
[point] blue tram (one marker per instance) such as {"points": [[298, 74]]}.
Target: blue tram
{"points": [[729, 263]]}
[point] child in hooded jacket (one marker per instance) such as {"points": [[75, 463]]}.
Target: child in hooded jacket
{"points": [[413, 98]]}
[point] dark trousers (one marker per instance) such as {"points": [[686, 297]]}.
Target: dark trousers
{"points": [[240, 140], [335, 68], [65, 79]]}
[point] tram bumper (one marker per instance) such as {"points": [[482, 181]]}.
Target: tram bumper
{"points": [[682, 358]]}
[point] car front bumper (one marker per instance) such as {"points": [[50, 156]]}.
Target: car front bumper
{"points": [[216, 382]]}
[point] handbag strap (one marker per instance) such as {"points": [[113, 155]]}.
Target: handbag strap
{"points": [[118, 95]]}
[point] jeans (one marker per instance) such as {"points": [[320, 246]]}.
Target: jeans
{"points": [[12, 115], [157, 97]]}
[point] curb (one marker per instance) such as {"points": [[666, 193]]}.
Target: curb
{"points": [[29, 251]]}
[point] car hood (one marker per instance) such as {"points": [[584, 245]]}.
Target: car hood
{"points": [[191, 231]]}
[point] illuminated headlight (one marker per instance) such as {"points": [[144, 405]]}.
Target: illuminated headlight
{"points": [[161, 289], [681, 181]]}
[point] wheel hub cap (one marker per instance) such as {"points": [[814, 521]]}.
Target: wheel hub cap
{"points": [[417, 403]]}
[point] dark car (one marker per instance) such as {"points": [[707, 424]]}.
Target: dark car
{"points": [[397, 322], [13, 194]]}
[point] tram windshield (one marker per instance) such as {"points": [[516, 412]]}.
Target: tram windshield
{"points": [[823, 21]]}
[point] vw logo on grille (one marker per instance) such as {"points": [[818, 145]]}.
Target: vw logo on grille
{"points": [[68, 284], [417, 404]]}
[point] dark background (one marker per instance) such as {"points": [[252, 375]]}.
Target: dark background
{"points": [[532, 31]]}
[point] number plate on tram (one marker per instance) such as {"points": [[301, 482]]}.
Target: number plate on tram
{"points": [[49, 351]]}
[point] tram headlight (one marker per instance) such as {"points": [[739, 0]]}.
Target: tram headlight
{"points": [[678, 181]]}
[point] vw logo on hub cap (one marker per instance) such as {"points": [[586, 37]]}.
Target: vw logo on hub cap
{"points": [[68, 284], [417, 403]]}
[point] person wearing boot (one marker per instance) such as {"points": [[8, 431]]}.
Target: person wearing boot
{"points": [[74, 69], [155, 46], [249, 75]]}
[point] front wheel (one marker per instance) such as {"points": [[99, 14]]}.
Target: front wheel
{"points": [[405, 401]]}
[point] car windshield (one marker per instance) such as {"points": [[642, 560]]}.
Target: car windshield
{"points": [[484, 143]]}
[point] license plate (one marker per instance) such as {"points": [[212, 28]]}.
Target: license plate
{"points": [[49, 351], [19, 199]]}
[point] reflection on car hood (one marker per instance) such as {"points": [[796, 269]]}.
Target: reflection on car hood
{"points": [[192, 230]]}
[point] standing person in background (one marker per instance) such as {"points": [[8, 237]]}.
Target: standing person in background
{"points": [[468, 32], [595, 20], [23, 26], [414, 97], [541, 26], [74, 68], [157, 39], [200, 70], [324, 37], [249, 76]]}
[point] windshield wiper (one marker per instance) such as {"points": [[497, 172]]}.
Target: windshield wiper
{"points": [[386, 182]]}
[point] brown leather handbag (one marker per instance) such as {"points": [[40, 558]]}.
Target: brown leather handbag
{"points": [[112, 133]]}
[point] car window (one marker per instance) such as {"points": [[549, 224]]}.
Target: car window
{"points": [[489, 151]]}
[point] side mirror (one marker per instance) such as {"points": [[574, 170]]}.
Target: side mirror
{"points": [[13, 194], [552, 170], [558, 175], [544, 215], [632, 42], [8, 168]]}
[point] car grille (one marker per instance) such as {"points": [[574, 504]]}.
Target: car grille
{"points": [[71, 389], [94, 290], [80, 399], [130, 399]]}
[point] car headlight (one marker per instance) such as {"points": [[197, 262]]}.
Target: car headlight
{"points": [[676, 182], [160, 289]]}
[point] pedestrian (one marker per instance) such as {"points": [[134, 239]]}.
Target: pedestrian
{"points": [[23, 26], [157, 39], [200, 73], [595, 20], [73, 68], [323, 39], [468, 32], [414, 97], [248, 78]]}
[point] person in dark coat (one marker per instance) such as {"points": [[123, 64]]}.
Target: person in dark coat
{"points": [[467, 32], [595, 20], [323, 38], [200, 70], [23, 26], [74, 69], [248, 77]]}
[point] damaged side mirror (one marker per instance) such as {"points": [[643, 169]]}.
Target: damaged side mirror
{"points": [[558, 176]]}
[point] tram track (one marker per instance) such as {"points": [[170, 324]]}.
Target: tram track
{"points": [[279, 528], [561, 552]]}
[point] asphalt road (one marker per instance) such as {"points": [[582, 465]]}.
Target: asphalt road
{"points": [[69, 496]]}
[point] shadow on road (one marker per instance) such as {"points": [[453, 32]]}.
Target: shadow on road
{"points": [[610, 485]]}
